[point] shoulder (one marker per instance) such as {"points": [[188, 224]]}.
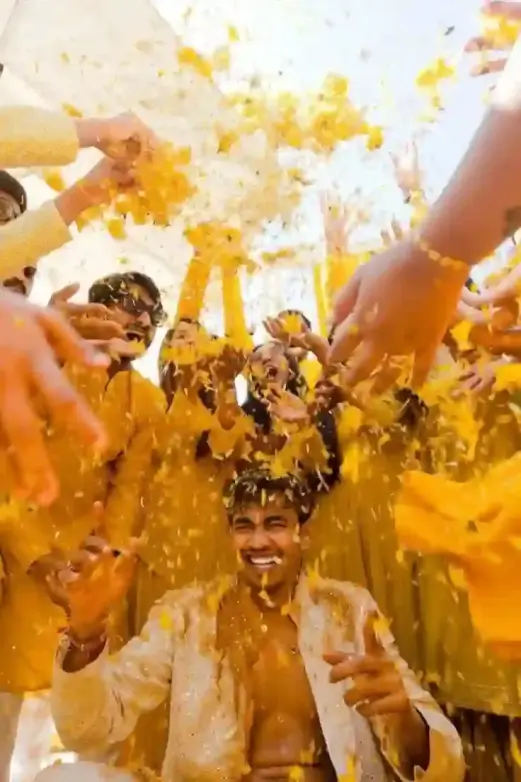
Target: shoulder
{"points": [[150, 398], [345, 596]]}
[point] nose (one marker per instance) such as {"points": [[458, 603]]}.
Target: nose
{"points": [[259, 539]]}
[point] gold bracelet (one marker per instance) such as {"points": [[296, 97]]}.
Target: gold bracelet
{"points": [[443, 260]]}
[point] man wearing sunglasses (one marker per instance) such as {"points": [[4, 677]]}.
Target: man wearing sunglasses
{"points": [[98, 493], [134, 301]]}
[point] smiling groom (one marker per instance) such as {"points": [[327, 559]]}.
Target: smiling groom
{"points": [[275, 674]]}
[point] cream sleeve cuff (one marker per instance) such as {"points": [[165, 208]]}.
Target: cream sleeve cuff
{"points": [[31, 136], [446, 763], [30, 237]]}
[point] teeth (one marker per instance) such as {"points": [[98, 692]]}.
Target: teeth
{"points": [[265, 561]]}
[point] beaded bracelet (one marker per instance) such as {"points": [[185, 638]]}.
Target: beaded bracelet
{"points": [[443, 260], [89, 645]]}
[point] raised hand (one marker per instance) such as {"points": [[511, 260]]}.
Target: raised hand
{"points": [[122, 137], [502, 29], [396, 234], [228, 364], [286, 406], [407, 171], [33, 343], [91, 320], [399, 303], [93, 582], [339, 223], [376, 685]]}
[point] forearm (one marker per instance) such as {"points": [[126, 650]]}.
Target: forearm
{"points": [[227, 407], [497, 342], [32, 236], [408, 735], [39, 232], [32, 136], [481, 205]]}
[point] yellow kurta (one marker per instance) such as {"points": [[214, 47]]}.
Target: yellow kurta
{"points": [[130, 408], [33, 137]]}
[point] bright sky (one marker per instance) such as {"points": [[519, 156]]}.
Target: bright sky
{"points": [[293, 44]]}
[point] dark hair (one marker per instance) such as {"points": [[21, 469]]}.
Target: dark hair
{"points": [[114, 286], [253, 405], [258, 486], [11, 186], [206, 394], [298, 313]]}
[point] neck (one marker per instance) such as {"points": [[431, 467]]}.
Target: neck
{"points": [[274, 599]]}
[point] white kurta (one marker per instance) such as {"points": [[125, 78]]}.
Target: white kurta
{"points": [[175, 656]]}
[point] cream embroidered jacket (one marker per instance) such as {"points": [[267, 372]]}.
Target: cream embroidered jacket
{"points": [[33, 137], [175, 656]]}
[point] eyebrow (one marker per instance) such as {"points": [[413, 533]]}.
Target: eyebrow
{"points": [[275, 517], [248, 520]]}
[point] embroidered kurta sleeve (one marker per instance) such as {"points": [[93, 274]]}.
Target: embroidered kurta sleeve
{"points": [[99, 705], [30, 237], [32, 136], [446, 763]]}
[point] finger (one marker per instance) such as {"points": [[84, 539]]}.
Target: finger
{"points": [[386, 377], [367, 689], [80, 560], [67, 345], [364, 362], [391, 704], [64, 403], [93, 310], [386, 238], [346, 299], [346, 339], [335, 657], [482, 43], [23, 431], [423, 362], [493, 66], [356, 665], [511, 11], [57, 589], [372, 644], [96, 328], [125, 566], [397, 229], [96, 545], [64, 294]]}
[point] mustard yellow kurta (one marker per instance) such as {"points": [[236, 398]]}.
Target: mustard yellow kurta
{"points": [[130, 407], [33, 137]]}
